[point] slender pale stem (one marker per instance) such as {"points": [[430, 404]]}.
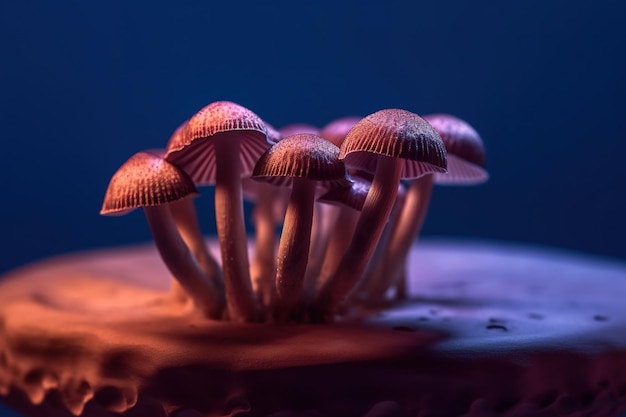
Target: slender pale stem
{"points": [[376, 210], [186, 219], [403, 235], [231, 232], [264, 263], [293, 250], [365, 287], [339, 242], [180, 262], [324, 223]]}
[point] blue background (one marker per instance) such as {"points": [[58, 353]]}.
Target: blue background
{"points": [[85, 84]]}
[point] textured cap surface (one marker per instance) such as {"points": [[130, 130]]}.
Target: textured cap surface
{"points": [[466, 152], [305, 156], [145, 180], [192, 149], [398, 134]]}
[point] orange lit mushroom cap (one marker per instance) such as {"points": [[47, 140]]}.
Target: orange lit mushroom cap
{"points": [[305, 156], [397, 134], [466, 153], [192, 147], [145, 179]]}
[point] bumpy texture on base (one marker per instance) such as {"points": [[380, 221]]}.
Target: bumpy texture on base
{"points": [[488, 330]]}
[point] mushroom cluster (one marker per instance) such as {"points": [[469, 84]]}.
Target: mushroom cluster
{"points": [[351, 199]]}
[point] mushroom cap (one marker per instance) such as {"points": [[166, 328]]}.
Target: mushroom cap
{"points": [[352, 197], [302, 155], [295, 128], [272, 133], [145, 179], [466, 153], [192, 148], [397, 134], [337, 130]]}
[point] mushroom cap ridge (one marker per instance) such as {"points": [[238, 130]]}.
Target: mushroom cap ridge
{"points": [[145, 179], [466, 152], [305, 156], [398, 134], [192, 148]]}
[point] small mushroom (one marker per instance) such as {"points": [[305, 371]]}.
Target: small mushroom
{"points": [[325, 216], [219, 145], [466, 166], [302, 161], [350, 202], [392, 144], [148, 181]]}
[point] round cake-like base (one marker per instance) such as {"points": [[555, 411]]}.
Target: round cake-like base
{"points": [[488, 330]]}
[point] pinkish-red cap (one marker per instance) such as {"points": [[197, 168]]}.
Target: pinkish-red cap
{"points": [[337, 130], [397, 134], [305, 156], [272, 133], [466, 153], [192, 147], [145, 179], [295, 128], [352, 197]]}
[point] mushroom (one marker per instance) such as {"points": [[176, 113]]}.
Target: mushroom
{"points": [[267, 214], [325, 216], [466, 166], [147, 180], [392, 144], [302, 161], [219, 145], [350, 202]]}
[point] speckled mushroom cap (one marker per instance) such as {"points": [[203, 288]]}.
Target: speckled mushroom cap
{"points": [[305, 156], [337, 130], [398, 134], [192, 148], [466, 153], [145, 179]]}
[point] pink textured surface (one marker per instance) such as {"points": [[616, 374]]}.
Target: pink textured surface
{"points": [[488, 330]]}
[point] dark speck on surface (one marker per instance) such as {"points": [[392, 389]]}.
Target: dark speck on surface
{"points": [[497, 327], [600, 317], [404, 328]]}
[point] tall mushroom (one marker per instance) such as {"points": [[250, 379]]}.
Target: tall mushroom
{"points": [[302, 161], [393, 144], [268, 213], [466, 166], [148, 181], [219, 145]]}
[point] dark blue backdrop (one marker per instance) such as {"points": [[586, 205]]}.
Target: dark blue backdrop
{"points": [[86, 84]]}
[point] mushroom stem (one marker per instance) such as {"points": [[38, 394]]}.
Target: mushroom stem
{"points": [[403, 235], [295, 240], [339, 242], [263, 264], [232, 235], [186, 220], [376, 210], [180, 261], [324, 222]]}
